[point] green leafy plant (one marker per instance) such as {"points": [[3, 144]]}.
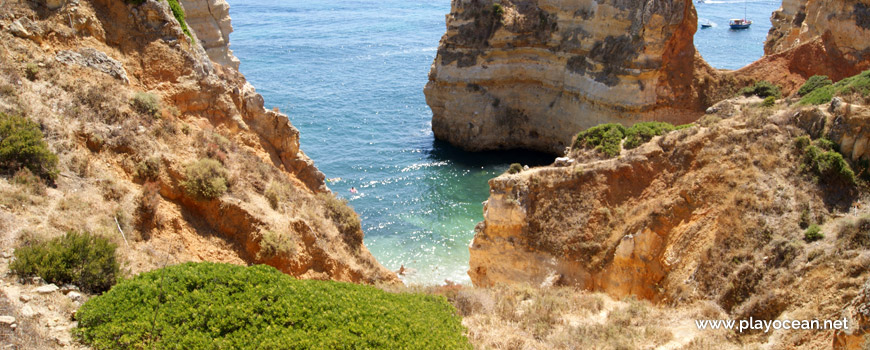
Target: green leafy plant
{"points": [[641, 133], [769, 101], [855, 84], [762, 89], [146, 103], [205, 179], [222, 306], [515, 168], [22, 145], [345, 218], [178, 12], [605, 138], [813, 233], [821, 159], [813, 83], [83, 259]]}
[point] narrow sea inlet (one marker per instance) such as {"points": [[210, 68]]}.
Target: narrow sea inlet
{"points": [[350, 75]]}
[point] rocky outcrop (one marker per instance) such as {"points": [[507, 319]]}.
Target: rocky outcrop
{"points": [[657, 220], [842, 26], [532, 73], [210, 21], [96, 56]]}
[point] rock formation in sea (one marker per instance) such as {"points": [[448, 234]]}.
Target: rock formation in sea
{"points": [[531, 74]]}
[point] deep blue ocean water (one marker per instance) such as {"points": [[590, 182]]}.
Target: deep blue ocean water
{"points": [[350, 75]]}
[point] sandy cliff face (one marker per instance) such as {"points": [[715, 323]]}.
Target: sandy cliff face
{"points": [[210, 21], [88, 61], [530, 74], [843, 26], [713, 212]]}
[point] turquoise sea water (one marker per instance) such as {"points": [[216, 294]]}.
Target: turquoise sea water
{"points": [[350, 75]]}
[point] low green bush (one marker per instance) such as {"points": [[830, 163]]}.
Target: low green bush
{"points": [[606, 138], [22, 146], [31, 70], [515, 168], [769, 101], [855, 84], [83, 259], [345, 218], [146, 103], [813, 233], [221, 306], [641, 133], [205, 179], [762, 89], [823, 160], [148, 169], [813, 83]]}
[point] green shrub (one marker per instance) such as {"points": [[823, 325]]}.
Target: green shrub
{"points": [[83, 259], [497, 10], [515, 168], [205, 179], [22, 145], [277, 192], [222, 306], [345, 218], [813, 233], [276, 243], [802, 142], [762, 89], [813, 83], [146, 103], [855, 84], [148, 169], [178, 12], [31, 70], [605, 138], [641, 133], [769, 101], [827, 164]]}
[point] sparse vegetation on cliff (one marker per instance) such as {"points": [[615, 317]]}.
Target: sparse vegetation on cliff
{"points": [[515, 168], [212, 306], [813, 83], [344, 217], [858, 84], [83, 259], [813, 233], [178, 12], [607, 138], [22, 146], [146, 103], [762, 89], [821, 158], [205, 179]]}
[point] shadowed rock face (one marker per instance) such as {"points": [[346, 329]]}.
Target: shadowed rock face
{"points": [[530, 74]]}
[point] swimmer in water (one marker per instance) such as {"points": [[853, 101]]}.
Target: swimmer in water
{"points": [[353, 190]]}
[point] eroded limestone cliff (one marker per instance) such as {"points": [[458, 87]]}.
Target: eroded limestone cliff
{"points": [[84, 70], [532, 73], [717, 211]]}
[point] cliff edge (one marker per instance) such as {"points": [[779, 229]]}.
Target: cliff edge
{"points": [[163, 145]]}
